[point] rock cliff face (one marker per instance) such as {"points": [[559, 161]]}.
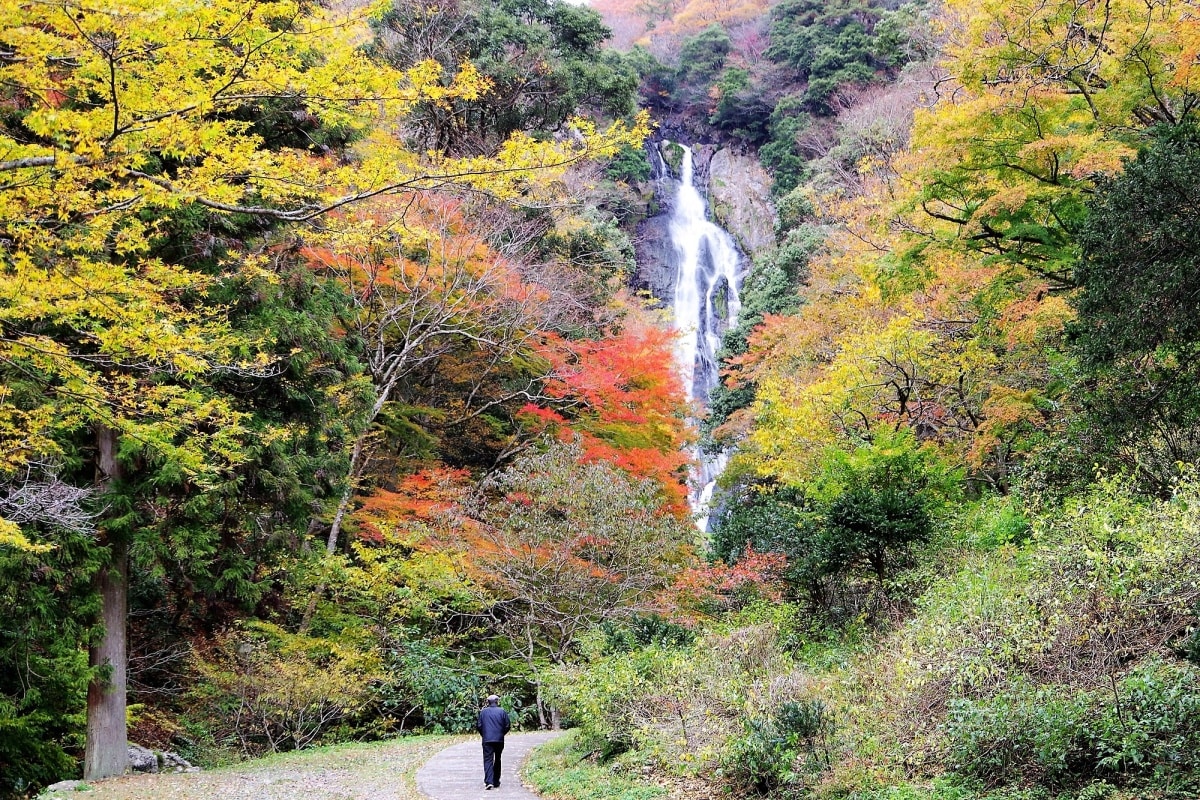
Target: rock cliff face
{"points": [[739, 193], [654, 252], [738, 190]]}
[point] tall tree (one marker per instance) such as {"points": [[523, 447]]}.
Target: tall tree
{"points": [[1138, 329], [564, 543], [543, 61]]}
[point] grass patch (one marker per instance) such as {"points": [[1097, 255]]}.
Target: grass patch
{"points": [[560, 772]]}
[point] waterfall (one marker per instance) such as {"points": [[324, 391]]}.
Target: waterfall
{"points": [[708, 271]]}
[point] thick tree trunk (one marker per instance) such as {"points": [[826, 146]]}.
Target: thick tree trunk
{"points": [[106, 751]]}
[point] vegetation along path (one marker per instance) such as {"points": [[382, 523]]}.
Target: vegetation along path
{"points": [[378, 771], [456, 773]]}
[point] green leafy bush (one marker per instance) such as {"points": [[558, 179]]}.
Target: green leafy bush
{"points": [[629, 165], [760, 759], [770, 750], [1031, 736], [47, 603], [559, 770], [1144, 732], [1150, 730], [425, 686], [643, 630], [606, 700]]}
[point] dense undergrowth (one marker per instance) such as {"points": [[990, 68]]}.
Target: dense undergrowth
{"points": [[1057, 662]]}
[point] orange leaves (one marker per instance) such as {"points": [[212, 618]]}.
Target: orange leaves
{"points": [[621, 396], [702, 589], [428, 496]]}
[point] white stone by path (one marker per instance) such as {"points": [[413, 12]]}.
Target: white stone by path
{"points": [[456, 773]]}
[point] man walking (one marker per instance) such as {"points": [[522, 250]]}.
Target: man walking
{"points": [[492, 725]]}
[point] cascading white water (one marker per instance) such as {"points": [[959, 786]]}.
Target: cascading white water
{"points": [[706, 303]]}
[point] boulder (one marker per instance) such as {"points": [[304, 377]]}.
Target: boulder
{"points": [[173, 762], [142, 759], [64, 786]]}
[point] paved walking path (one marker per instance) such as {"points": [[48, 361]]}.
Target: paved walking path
{"points": [[456, 773]]}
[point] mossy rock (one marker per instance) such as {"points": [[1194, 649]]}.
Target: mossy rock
{"points": [[672, 153]]}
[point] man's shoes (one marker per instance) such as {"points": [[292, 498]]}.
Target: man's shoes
{"points": [[489, 786]]}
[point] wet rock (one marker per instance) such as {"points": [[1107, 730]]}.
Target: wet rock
{"points": [[655, 260], [653, 249]]}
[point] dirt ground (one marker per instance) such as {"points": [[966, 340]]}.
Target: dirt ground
{"points": [[376, 771]]}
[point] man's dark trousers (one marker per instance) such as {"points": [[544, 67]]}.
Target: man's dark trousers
{"points": [[491, 762]]}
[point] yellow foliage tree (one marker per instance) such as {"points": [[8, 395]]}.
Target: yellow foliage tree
{"points": [[116, 115], [945, 284]]}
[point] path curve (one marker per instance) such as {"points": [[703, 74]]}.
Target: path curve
{"points": [[456, 773]]}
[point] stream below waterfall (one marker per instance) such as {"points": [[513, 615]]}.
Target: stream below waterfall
{"points": [[708, 272]]}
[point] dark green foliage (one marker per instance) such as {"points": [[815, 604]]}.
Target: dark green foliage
{"points": [[782, 155], [804, 718], [543, 58], [873, 526], [204, 556], [1137, 335], [658, 80], [849, 534], [1189, 647], [902, 36], [644, 630], [772, 287], [1006, 739], [742, 111], [630, 165], [767, 754], [600, 249], [829, 45], [702, 57], [760, 519], [428, 688], [46, 609], [1143, 732]]}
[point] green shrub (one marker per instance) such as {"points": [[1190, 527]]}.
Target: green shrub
{"points": [[605, 699], [1149, 733], [1144, 732], [806, 719], [1189, 646], [761, 758], [425, 687], [265, 690], [629, 165], [643, 630], [560, 770], [772, 750], [1021, 738]]}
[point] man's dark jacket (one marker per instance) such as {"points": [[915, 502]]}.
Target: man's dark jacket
{"points": [[493, 723]]}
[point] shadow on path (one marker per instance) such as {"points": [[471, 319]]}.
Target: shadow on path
{"points": [[456, 773]]}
